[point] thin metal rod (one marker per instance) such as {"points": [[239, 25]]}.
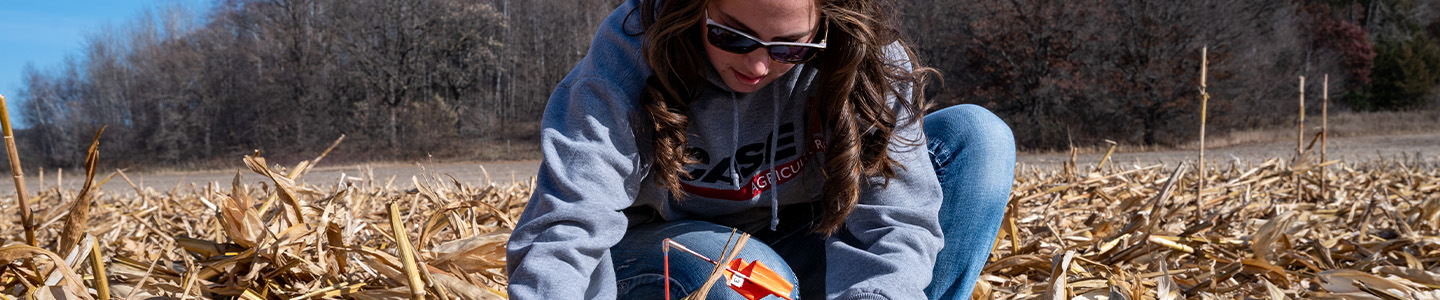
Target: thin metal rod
{"points": [[666, 251], [672, 243]]}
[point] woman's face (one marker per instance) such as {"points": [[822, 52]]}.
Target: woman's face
{"points": [[769, 20]]}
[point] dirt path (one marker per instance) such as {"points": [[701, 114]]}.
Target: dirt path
{"points": [[1353, 149]]}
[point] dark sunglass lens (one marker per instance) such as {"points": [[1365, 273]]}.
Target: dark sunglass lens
{"points": [[730, 41], [792, 54]]}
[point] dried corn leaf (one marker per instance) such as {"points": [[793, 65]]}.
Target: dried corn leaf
{"points": [[1427, 278], [239, 219], [1274, 292], [1267, 237], [284, 186], [475, 253], [57, 293], [1165, 287], [79, 217], [1351, 281], [465, 290], [1059, 287], [71, 281]]}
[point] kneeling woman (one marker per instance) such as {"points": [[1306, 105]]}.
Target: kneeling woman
{"points": [[792, 120]]}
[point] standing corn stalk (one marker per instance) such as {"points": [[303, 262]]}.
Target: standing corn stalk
{"points": [[1300, 137], [1204, 102], [1300, 144], [1324, 132], [19, 175]]}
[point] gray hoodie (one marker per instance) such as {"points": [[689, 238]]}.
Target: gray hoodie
{"points": [[594, 181]]}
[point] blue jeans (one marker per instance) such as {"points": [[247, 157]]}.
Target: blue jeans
{"points": [[974, 156]]}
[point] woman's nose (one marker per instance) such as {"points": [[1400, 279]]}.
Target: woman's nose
{"points": [[758, 62]]}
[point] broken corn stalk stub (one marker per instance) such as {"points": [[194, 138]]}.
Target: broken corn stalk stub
{"points": [[97, 266], [76, 222], [407, 255], [18, 174]]}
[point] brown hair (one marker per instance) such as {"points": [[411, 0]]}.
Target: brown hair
{"points": [[855, 77]]}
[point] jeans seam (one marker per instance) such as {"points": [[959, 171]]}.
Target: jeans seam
{"points": [[939, 158]]}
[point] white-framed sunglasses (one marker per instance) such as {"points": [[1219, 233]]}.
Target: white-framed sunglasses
{"points": [[735, 41]]}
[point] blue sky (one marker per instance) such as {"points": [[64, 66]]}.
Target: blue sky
{"points": [[44, 32]]}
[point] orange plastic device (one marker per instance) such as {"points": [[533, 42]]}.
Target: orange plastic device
{"points": [[756, 281]]}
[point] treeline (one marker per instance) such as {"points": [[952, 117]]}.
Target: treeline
{"points": [[400, 79], [459, 78], [1078, 72]]}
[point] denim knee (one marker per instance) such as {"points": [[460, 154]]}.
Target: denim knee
{"points": [[969, 126], [970, 137]]}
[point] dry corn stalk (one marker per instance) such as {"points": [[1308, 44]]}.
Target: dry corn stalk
{"points": [[319, 243], [21, 197], [1261, 231]]}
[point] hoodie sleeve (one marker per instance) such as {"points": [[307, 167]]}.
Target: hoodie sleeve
{"points": [[888, 246], [590, 171]]}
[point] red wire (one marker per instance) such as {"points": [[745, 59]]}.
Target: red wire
{"points": [[667, 271]]}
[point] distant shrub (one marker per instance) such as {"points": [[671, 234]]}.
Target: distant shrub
{"points": [[1405, 72], [1346, 37]]}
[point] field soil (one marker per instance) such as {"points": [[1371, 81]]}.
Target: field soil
{"points": [[1407, 147]]}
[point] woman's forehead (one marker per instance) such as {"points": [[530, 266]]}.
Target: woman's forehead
{"points": [[768, 18]]}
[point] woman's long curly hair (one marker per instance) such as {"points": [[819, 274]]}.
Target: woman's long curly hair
{"points": [[855, 77]]}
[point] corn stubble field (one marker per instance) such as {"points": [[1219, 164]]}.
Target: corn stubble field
{"points": [[1282, 229]]}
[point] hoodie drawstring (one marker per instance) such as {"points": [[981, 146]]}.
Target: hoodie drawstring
{"points": [[774, 177], [734, 140]]}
